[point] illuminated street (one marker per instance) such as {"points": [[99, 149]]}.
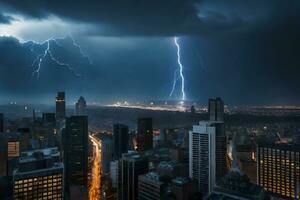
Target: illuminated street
{"points": [[94, 190]]}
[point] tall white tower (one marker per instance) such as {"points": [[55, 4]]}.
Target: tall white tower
{"points": [[204, 153]]}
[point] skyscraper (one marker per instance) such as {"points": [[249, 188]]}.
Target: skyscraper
{"points": [[80, 106], [207, 154], [75, 142], [144, 134], [216, 109], [278, 169], [60, 106], [1, 122], [133, 165], [120, 140]]}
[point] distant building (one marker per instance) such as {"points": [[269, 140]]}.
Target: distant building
{"points": [[184, 188], [216, 109], [152, 186], [120, 140], [80, 106], [133, 165], [60, 106], [144, 134], [278, 169], [39, 176], [1, 123], [207, 154], [75, 143]]}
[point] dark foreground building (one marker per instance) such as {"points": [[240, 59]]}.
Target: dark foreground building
{"points": [[75, 143]]}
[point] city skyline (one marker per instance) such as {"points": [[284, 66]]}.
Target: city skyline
{"points": [[149, 99]]}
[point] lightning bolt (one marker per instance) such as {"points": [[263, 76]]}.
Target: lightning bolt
{"points": [[38, 61], [175, 79], [183, 96]]}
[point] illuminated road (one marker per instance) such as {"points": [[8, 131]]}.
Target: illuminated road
{"points": [[94, 190]]}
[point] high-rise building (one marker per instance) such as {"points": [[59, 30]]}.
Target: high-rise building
{"points": [[75, 143], [144, 134], [152, 186], [80, 106], [1, 122], [39, 175], [207, 154], [60, 106], [133, 165], [120, 140], [279, 169], [216, 109]]}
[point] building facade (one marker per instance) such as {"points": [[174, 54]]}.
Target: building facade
{"points": [[39, 176], [133, 164], [278, 169]]}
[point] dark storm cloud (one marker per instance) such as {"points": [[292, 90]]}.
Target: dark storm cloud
{"points": [[4, 19], [144, 17]]}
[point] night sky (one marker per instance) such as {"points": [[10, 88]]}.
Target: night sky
{"points": [[247, 52]]}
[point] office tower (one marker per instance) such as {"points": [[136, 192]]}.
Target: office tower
{"points": [[184, 188], [278, 169], [39, 175], [80, 106], [133, 165], [207, 154], [216, 109], [144, 134], [75, 143], [1, 123], [49, 118], [120, 140], [60, 106], [152, 186]]}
